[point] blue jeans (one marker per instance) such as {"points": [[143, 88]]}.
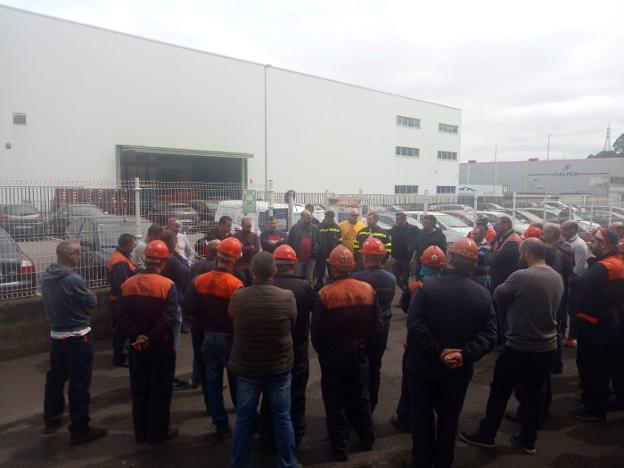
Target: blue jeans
{"points": [[216, 352], [277, 390]]}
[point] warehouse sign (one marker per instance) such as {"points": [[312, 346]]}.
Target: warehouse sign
{"points": [[565, 171]]}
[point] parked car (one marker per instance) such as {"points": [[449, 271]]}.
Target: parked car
{"points": [[487, 206], [98, 237], [462, 215], [17, 270], [445, 221], [161, 212], [518, 224], [64, 213], [615, 211], [234, 209], [21, 221], [206, 213], [526, 204], [455, 208]]}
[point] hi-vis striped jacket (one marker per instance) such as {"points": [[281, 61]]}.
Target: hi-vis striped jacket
{"points": [[381, 234]]}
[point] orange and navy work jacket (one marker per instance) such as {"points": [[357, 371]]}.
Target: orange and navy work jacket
{"points": [[149, 304], [346, 319], [205, 305], [600, 292], [120, 268]]}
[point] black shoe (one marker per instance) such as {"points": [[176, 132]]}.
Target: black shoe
{"points": [[51, 428], [340, 455], [367, 445], [223, 432], [556, 371], [120, 364], [172, 432], [400, 424], [95, 432], [180, 384], [184, 329], [477, 439], [511, 416], [584, 414], [526, 446]]}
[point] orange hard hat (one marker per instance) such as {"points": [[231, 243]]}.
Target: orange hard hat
{"points": [[341, 258], [231, 248], [156, 249], [285, 253], [465, 248], [373, 246], [490, 235], [532, 231], [433, 257]]}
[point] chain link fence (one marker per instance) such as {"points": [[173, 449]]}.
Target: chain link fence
{"points": [[36, 216]]}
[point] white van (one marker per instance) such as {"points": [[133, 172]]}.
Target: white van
{"points": [[233, 209]]}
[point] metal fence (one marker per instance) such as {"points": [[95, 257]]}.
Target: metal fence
{"points": [[36, 216]]}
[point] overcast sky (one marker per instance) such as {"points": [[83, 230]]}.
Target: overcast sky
{"points": [[517, 71]]}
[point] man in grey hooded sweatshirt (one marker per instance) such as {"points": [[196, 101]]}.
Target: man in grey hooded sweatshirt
{"points": [[66, 299]]}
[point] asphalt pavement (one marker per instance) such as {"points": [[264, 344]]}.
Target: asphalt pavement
{"points": [[562, 443]]}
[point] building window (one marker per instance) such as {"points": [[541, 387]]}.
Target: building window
{"points": [[407, 152], [447, 155], [445, 189], [408, 122], [406, 189], [446, 128]]}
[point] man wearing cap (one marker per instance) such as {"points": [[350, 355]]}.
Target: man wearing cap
{"points": [[205, 307], [373, 253], [329, 237], [149, 304], [531, 297], [120, 268], [450, 326], [600, 327], [349, 229], [305, 295], [346, 329]]}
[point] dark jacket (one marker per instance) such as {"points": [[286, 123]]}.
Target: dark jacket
{"points": [[206, 302], [599, 293], [178, 271], [203, 266], [450, 311], [427, 239], [120, 268], [329, 237], [270, 240], [149, 304], [211, 234], [376, 232], [404, 240], [504, 257], [300, 231], [346, 323], [66, 299], [305, 295], [251, 246], [384, 284], [263, 317], [559, 258]]}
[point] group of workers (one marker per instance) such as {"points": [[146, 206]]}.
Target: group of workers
{"points": [[252, 304]]}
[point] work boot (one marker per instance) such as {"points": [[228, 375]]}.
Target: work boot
{"points": [[570, 342], [172, 432], [51, 428], [95, 432], [340, 454], [223, 432], [584, 414], [477, 439], [524, 445], [616, 405], [400, 424], [180, 384]]}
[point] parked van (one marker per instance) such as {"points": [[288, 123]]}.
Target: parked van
{"points": [[234, 209]]}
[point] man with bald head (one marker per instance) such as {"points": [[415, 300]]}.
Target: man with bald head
{"points": [[349, 229], [66, 300], [304, 239]]}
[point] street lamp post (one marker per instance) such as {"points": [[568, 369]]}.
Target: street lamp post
{"points": [[548, 146]]}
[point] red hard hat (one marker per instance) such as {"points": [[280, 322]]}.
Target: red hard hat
{"points": [[285, 253], [156, 249], [465, 248], [532, 231], [433, 257], [231, 247], [341, 258], [373, 246]]}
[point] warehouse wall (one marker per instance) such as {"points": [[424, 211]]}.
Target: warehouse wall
{"points": [[86, 90]]}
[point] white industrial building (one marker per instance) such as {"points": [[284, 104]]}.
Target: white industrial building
{"points": [[82, 103]]}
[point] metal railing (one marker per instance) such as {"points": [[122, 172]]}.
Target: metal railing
{"points": [[36, 216]]}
